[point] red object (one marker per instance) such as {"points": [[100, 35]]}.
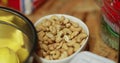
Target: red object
{"points": [[111, 9], [24, 6], [111, 13], [116, 6], [14, 4]]}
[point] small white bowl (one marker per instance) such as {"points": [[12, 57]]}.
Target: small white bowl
{"points": [[69, 58]]}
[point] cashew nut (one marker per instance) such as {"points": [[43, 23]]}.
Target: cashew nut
{"points": [[66, 31], [44, 47], [51, 47], [58, 36], [58, 27], [76, 46], [60, 45], [40, 28], [40, 35], [68, 25], [50, 41], [75, 24], [46, 22], [70, 51], [63, 55], [56, 45], [55, 18], [74, 34], [64, 46], [55, 54], [58, 39], [50, 35], [45, 38], [81, 36], [61, 50], [71, 43], [75, 29], [66, 21], [66, 38], [52, 21], [53, 30]]}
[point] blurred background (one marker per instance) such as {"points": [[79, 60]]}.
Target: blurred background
{"points": [[88, 11]]}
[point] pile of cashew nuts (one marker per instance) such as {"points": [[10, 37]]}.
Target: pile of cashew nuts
{"points": [[59, 37]]}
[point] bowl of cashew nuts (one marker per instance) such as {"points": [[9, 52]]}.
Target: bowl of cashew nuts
{"points": [[61, 37]]}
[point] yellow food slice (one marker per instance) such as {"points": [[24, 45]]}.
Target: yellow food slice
{"points": [[8, 56], [10, 37], [22, 54]]}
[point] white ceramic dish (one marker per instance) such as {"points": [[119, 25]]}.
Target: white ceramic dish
{"points": [[68, 59], [88, 57]]}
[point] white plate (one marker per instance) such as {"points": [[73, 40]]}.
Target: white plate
{"points": [[88, 57]]}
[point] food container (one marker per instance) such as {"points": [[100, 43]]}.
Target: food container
{"points": [[69, 58], [15, 27], [111, 13], [110, 22]]}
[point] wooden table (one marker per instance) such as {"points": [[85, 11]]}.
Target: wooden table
{"points": [[87, 11]]}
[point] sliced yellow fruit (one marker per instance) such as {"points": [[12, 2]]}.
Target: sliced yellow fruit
{"points": [[8, 56], [22, 54], [10, 37]]}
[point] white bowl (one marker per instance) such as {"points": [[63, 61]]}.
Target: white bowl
{"points": [[69, 58]]}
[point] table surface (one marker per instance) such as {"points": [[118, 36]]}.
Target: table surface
{"points": [[87, 11]]}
